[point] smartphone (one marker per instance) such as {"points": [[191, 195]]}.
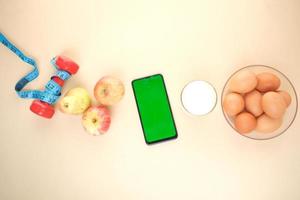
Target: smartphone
{"points": [[154, 109]]}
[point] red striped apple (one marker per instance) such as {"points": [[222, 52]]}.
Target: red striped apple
{"points": [[96, 120], [109, 91]]}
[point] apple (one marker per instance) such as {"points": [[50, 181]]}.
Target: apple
{"points": [[109, 90], [96, 120], [76, 101]]}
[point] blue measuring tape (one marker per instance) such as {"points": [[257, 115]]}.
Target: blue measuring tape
{"points": [[52, 90]]}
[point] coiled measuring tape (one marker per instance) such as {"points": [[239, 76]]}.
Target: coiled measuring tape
{"points": [[64, 66]]}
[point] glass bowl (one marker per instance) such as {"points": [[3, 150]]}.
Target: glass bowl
{"points": [[290, 113]]}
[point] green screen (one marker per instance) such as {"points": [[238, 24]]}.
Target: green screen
{"points": [[154, 108]]}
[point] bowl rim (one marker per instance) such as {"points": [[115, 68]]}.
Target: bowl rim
{"points": [[269, 67]]}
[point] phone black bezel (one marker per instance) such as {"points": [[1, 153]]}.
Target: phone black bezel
{"points": [[164, 85]]}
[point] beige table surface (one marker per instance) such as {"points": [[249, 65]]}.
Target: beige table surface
{"points": [[182, 39]]}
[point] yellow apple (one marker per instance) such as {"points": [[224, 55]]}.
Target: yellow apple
{"points": [[76, 101]]}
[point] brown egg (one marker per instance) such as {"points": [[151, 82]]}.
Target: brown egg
{"points": [[286, 96], [245, 123], [253, 103], [243, 82], [273, 104], [266, 124], [267, 82], [233, 104]]}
